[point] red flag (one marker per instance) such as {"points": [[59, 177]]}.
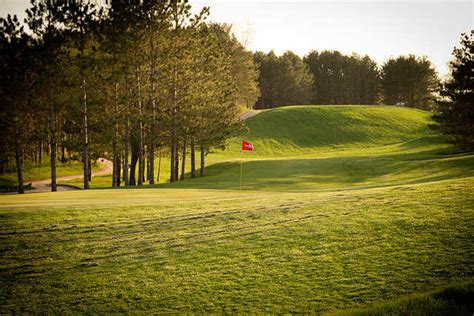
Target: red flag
{"points": [[246, 145]]}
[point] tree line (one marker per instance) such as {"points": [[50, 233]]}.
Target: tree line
{"points": [[329, 77], [123, 82], [128, 82]]}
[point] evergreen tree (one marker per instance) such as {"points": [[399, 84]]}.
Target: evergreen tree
{"points": [[455, 115], [341, 79], [16, 77], [284, 80], [409, 81]]}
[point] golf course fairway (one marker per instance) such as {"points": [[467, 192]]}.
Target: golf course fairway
{"points": [[343, 210]]}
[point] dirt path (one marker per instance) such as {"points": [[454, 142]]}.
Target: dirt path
{"points": [[247, 115], [45, 185]]}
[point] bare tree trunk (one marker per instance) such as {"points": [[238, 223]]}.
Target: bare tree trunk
{"points": [[145, 162], [117, 175], [133, 165], [63, 145], [203, 155], [40, 156], [151, 163], [126, 144], [90, 170], [125, 156], [172, 163], [159, 168], [52, 129], [19, 165], [193, 159], [85, 150], [176, 163], [183, 161], [172, 160], [116, 163], [151, 149], [141, 167]]}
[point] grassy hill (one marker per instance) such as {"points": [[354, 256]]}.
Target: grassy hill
{"points": [[323, 130], [344, 210], [308, 148]]}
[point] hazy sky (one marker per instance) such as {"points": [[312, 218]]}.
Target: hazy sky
{"points": [[379, 29]]}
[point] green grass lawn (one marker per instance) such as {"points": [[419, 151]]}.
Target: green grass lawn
{"points": [[380, 223]]}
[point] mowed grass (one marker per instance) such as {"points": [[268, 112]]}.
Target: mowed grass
{"points": [[226, 251], [311, 148], [377, 218]]}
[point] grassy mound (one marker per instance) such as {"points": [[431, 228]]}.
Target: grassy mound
{"points": [[307, 130], [308, 148]]}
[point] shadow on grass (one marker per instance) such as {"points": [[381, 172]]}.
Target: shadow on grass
{"points": [[334, 173]]}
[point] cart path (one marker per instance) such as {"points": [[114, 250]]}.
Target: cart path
{"points": [[45, 185], [249, 114]]}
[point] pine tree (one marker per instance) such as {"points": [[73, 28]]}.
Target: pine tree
{"points": [[409, 81], [16, 74], [455, 115]]}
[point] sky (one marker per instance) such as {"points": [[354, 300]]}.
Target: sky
{"points": [[378, 28]]}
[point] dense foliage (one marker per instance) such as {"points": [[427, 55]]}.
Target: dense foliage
{"points": [[409, 81], [284, 80], [456, 110], [329, 77], [341, 79], [122, 82]]}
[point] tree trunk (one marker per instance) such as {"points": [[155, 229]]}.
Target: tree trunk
{"points": [[145, 161], [151, 150], [151, 163], [141, 166], [203, 155], [159, 168], [117, 175], [176, 163], [63, 141], [90, 170], [183, 161], [133, 165], [19, 166], [193, 159], [116, 163], [52, 129], [172, 160], [40, 156], [85, 149]]}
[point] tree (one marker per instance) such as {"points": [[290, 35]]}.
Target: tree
{"points": [[409, 81], [455, 111], [43, 21], [16, 74], [284, 80], [129, 77], [80, 19], [342, 79]]}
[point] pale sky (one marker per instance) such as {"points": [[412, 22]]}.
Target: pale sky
{"points": [[380, 29]]}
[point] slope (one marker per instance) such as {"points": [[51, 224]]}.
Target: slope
{"points": [[303, 148]]}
